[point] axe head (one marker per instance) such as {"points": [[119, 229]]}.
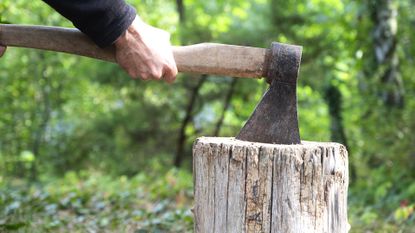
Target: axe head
{"points": [[275, 118]]}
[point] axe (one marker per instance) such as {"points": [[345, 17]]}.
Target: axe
{"points": [[274, 119]]}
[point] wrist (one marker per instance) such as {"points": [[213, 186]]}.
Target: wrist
{"points": [[133, 31]]}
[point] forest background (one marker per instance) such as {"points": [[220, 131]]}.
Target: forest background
{"points": [[84, 148]]}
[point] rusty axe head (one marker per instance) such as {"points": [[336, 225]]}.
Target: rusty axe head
{"points": [[275, 119]]}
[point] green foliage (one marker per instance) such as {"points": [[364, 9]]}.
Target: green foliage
{"points": [[90, 201], [63, 115]]}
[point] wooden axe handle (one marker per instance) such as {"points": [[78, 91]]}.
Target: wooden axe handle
{"points": [[206, 58]]}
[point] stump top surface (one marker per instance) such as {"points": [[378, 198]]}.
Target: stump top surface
{"points": [[236, 142]]}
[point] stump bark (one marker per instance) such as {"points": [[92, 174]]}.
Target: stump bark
{"points": [[255, 187]]}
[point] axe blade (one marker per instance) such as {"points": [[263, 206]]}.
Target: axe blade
{"points": [[275, 118]]}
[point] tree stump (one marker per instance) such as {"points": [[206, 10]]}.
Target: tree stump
{"points": [[256, 187]]}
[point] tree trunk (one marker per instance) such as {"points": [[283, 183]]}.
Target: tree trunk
{"points": [[180, 10], [180, 152], [384, 15], [255, 187], [334, 101], [226, 105], [44, 87]]}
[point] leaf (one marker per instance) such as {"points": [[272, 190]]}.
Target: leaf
{"points": [[13, 226]]}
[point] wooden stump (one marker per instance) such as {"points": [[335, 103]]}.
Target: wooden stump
{"points": [[255, 187]]}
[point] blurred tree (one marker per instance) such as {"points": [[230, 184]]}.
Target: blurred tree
{"points": [[182, 139], [180, 10], [384, 15], [334, 101], [226, 105]]}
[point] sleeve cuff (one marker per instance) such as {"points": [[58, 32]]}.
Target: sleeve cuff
{"points": [[117, 27]]}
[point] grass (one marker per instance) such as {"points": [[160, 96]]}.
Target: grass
{"points": [[98, 203]]}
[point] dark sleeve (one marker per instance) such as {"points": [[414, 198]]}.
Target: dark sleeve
{"points": [[102, 20]]}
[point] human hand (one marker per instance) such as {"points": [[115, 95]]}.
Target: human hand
{"points": [[145, 51], [2, 50]]}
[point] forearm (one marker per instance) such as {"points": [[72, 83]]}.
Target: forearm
{"points": [[140, 49], [102, 20]]}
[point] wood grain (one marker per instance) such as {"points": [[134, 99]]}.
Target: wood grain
{"points": [[207, 58], [270, 188]]}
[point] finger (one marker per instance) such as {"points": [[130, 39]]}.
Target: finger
{"points": [[171, 72], [2, 50], [132, 73], [174, 69], [170, 75], [144, 76], [156, 74], [173, 65]]}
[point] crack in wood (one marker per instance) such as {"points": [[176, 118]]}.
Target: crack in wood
{"points": [[255, 187]]}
